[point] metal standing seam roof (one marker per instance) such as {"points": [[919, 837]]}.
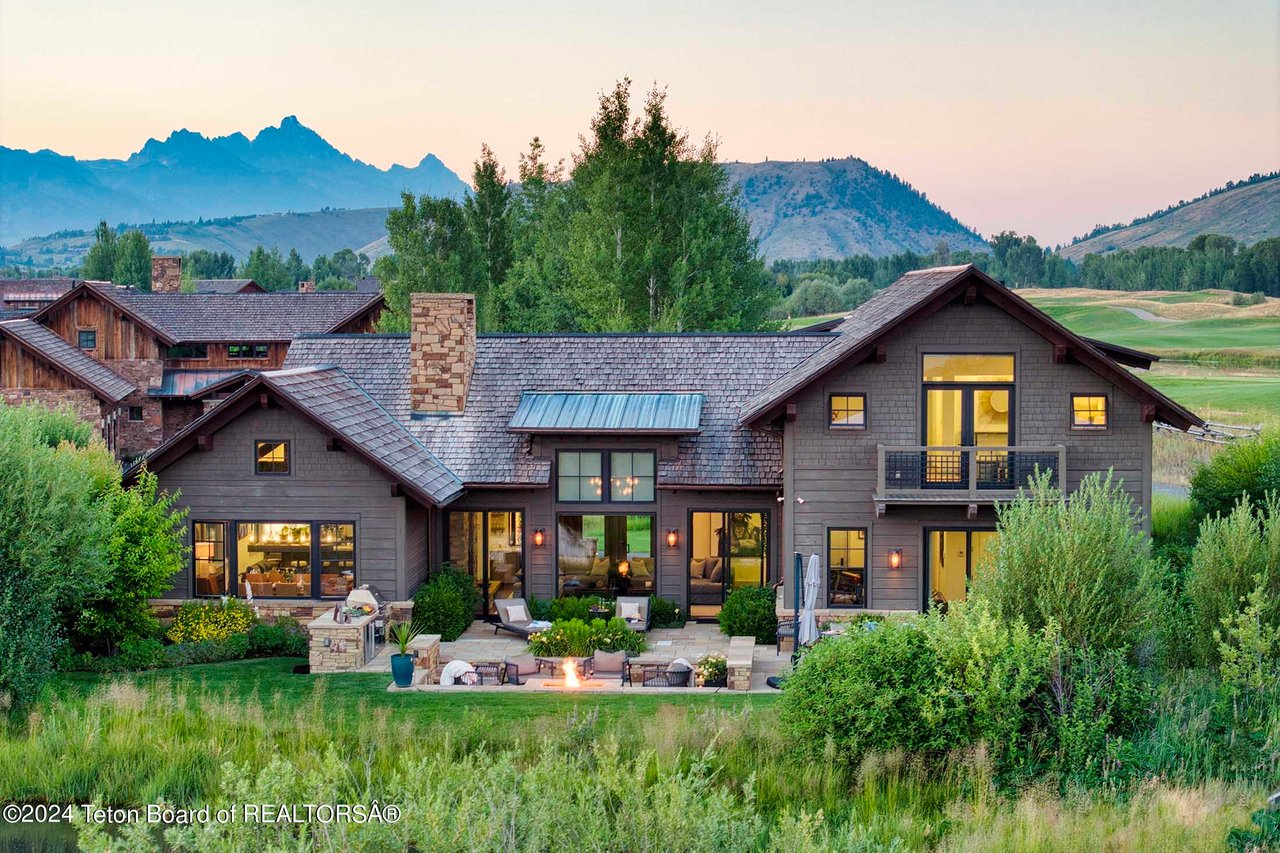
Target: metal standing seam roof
{"points": [[664, 413], [186, 383], [102, 380]]}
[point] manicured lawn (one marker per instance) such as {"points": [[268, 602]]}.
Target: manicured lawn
{"points": [[356, 693], [1252, 396]]}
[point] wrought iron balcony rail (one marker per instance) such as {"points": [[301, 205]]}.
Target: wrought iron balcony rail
{"points": [[976, 472]]}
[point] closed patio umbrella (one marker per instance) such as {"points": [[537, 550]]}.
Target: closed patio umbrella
{"points": [[809, 622]]}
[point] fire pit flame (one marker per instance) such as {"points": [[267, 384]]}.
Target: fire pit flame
{"points": [[571, 680]]}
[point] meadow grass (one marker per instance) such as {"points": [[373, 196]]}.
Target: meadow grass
{"points": [[540, 771]]}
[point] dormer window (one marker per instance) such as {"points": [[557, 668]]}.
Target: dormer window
{"points": [[87, 339], [188, 351]]}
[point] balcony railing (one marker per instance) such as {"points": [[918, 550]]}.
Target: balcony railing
{"points": [[978, 473]]}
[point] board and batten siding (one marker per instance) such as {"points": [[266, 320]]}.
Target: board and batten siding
{"points": [[834, 471], [323, 485]]}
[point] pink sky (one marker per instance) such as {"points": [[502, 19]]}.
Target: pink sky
{"points": [[1046, 118]]}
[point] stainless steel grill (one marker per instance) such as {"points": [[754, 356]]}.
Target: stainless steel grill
{"points": [[370, 595]]}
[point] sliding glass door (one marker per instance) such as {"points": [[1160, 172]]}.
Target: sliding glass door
{"points": [[606, 555], [489, 546], [727, 550]]}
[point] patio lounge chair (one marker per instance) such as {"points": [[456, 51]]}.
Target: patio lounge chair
{"points": [[665, 675], [513, 616], [626, 610], [611, 664], [516, 670]]}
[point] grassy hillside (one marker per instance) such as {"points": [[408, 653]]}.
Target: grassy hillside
{"points": [[312, 234], [1248, 213]]}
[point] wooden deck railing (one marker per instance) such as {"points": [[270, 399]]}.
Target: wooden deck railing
{"points": [[974, 472]]}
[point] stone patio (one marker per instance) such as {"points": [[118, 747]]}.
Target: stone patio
{"points": [[479, 643]]}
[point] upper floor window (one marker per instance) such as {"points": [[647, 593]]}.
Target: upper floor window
{"points": [[87, 339], [271, 457], [968, 367], [1088, 411], [581, 475], [188, 351], [849, 411], [631, 476], [246, 350]]}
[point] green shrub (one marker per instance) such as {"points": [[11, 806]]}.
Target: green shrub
{"points": [[138, 654], [1082, 565], [567, 608], [749, 612], [285, 638], [1249, 645], [1230, 554], [1094, 697], [990, 670], [1173, 529], [234, 647], [577, 638], [1250, 467], [664, 613], [446, 604], [868, 691], [210, 620]]}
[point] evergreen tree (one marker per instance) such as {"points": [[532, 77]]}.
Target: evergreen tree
{"points": [[297, 268], [268, 269], [203, 264], [100, 262], [133, 260], [488, 216]]}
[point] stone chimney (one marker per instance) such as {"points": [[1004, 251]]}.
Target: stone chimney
{"points": [[306, 287], [166, 274], [442, 351]]}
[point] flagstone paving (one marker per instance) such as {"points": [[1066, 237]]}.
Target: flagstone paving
{"points": [[695, 639]]}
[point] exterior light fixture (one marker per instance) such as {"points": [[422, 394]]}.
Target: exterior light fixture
{"points": [[895, 558], [538, 537], [672, 538]]}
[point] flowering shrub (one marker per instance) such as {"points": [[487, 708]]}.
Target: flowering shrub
{"points": [[713, 667], [199, 620], [576, 638]]}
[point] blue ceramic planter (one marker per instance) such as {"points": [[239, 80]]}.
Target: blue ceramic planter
{"points": [[402, 670]]}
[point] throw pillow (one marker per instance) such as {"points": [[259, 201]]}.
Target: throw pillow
{"points": [[629, 610], [696, 568], [517, 613], [717, 574]]}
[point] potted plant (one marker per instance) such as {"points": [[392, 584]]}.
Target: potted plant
{"points": [[402, 634], [713, 670]]}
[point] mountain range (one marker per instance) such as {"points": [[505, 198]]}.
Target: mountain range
{"points": [[230, 193], [189, 176]]}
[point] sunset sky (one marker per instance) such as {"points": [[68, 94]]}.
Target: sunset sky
{"points": [[1046, 118]]}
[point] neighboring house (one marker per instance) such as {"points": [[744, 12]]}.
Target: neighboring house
{"points": [[21, 296], [682, 465], [178, 354], [226, 285]]}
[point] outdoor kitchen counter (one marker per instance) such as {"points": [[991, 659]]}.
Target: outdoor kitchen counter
{"points": [[339, 646]]}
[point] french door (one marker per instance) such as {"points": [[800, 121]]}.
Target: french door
{"points": [[950, 559], [727, 550], [489, 546], [965, 416]]}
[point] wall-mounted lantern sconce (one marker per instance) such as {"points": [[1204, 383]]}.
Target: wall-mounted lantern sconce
{"points": [[672, 538], [539, 537], [895, 558]]}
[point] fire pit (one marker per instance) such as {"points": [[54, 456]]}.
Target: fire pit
{"points": [[572, 680]]}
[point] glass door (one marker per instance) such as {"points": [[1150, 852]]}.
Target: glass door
{"points": [[951, 558], [966, 417], [727, 551], [489, 546]]}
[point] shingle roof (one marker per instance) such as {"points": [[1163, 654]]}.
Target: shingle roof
{"points": [[331, 397], [862, 325], [102, 380], [53, 286], [224, 285], [479, 448], [240, 316], [581, 412]]}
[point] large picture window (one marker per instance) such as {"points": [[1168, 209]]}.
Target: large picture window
{"points": [[282, 559], [209, 552], [489, 546], [847, 567], [606, 555]]}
